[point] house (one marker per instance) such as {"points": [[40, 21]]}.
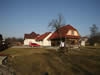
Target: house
{"points": [[30, 38], [65, 33], [83, 41], [43, 39]]}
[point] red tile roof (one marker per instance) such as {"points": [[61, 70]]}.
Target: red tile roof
{"points": [[32, 35], [63, 30], [41, 37]]}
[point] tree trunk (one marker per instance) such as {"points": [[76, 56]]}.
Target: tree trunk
{"points": [[66, 48]]}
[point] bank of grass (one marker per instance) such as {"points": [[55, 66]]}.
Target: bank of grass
{"points": [[23, 51], [94, 47], [39, 61]]}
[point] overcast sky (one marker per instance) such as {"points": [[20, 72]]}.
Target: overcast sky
{"points": [[18, 17]]}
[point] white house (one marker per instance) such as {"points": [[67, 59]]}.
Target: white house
{"points": [[83, 41], [43, 39], [67, 32], [30, 38]]}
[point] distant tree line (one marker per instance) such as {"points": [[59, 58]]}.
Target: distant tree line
{"points": [[10, 41], [95, 35], [14, 41]]}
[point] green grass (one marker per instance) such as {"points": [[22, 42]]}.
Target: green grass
{"points": [[23, 51], [38, 61]]}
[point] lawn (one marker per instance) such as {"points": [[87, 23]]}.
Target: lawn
{"points": [[40, 61]]}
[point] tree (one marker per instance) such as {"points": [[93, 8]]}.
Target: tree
{"points": [[1, 39], [93, 30], [55, 24], [14, 41], [95, 35]]}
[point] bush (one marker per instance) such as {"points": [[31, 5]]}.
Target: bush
{"points": [[94, 39]]}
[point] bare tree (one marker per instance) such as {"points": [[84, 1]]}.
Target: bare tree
{"points": [[55, 24]]}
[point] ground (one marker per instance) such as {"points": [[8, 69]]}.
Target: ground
{"points": [[47, 61]]}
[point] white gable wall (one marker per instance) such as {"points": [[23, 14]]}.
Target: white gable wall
{"points": [[75, 33], [69, 32], [46, 42]]}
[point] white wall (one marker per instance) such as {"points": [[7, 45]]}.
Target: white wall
{"points": [[27, 41], [45, 41], [82, 43], [40, 42]]}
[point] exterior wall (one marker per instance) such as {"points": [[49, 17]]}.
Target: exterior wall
{"points": [[69, 32], [27, 41], [45, 41], [82, 43], [75, 33], [40, 42]]}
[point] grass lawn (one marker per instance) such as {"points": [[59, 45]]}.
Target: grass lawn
{"points": [[39, 61]]}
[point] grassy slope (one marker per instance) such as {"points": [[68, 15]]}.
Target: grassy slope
{"points": [[38, 61]]}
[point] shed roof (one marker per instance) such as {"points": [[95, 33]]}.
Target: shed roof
{"points": [[43, 36]]}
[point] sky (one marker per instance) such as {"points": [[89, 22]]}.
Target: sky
{"points": [[18, 17]]}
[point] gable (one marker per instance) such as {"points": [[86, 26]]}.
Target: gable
{"points": [[72, 32]]}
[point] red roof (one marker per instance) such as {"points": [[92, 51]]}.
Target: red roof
{"points": [[63, 30], [32, 35], [41, 37]]}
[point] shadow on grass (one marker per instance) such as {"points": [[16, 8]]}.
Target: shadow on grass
{"points": [[76, 66]]}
